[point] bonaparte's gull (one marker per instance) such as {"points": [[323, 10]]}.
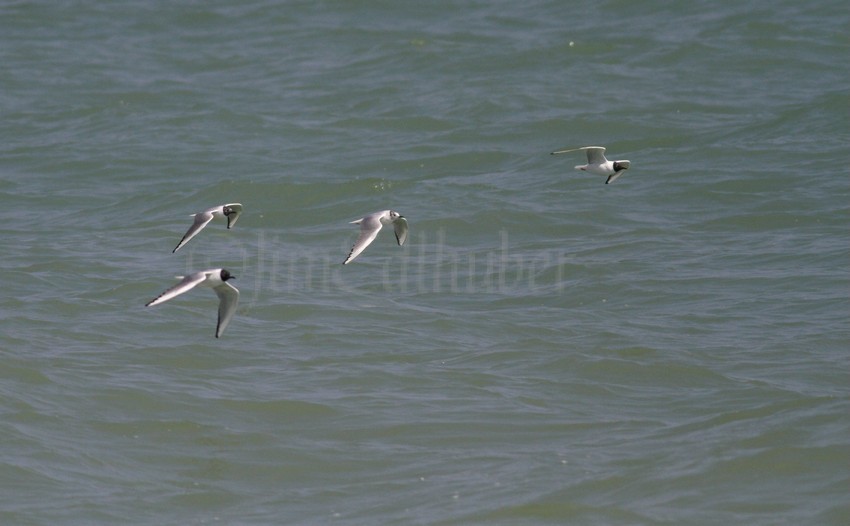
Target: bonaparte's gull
{"points": [[598, 164], [228, 295], [371, 225], [230, 211]]}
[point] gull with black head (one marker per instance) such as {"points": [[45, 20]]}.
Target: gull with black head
{"points": [[216, 278], [371, 224], [230, 212], [598, 164]]}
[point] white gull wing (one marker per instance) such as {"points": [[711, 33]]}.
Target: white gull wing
{"points": [[400, 226], [233, 217], [613, 177], [595, 154], [369, 228], [556, 152], [201, 220], [228, 298], [189, 282]]}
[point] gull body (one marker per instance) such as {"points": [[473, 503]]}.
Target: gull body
{"points": [[597, 163], [216, 278], [230, 212], [371, 224]]}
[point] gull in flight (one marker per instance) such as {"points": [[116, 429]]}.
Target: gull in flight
{"points": [[230, 211], [598, 164], [371, 224], [228, 295]]}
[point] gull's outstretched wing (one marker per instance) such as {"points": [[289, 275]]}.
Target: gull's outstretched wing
{"points": [[228, 298], [595, 154], [613, 177], [556, 152], [188, 283], [400, 226], [369, 228], [201, 220]]}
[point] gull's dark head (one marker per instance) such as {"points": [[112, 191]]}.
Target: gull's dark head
{"points": [[226, 275], [394, 215], [228, 210], [621, 165]]}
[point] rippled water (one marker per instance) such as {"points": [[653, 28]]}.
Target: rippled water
{"points": [[545, 349]]}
